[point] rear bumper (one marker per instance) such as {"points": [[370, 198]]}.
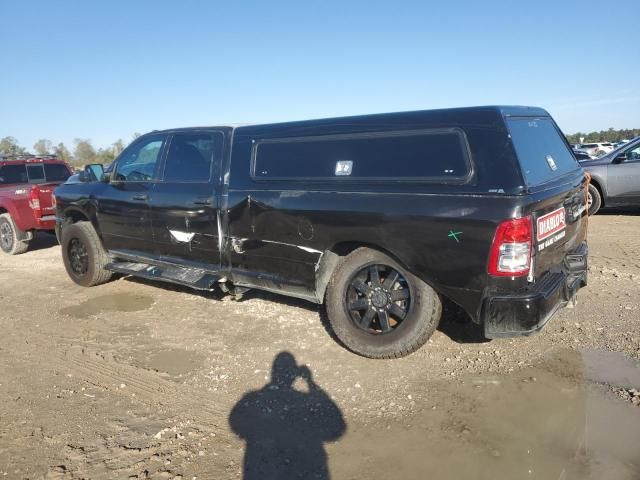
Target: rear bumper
{"points": [[30, 222], [524, 313], [47, 222]]}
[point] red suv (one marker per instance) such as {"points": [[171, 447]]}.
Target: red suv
{"points": [[26, 198]]}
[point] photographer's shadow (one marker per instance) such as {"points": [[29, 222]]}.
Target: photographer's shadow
{"points": [[285, 428]]}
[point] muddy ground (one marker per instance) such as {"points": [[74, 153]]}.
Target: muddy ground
{"points": [[135, 379]]}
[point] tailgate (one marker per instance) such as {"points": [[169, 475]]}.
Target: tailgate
{"points": [[557, 187], [44, 193], [560, 227]]}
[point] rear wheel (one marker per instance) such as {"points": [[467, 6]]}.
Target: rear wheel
{"points": [[378, 309], [594, 199], [83, 255], [10, 235]]}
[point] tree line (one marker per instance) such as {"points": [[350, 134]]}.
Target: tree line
{"points": [[609, 135], [82, 153]]}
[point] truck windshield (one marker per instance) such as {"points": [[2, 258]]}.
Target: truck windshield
{"points": [[542, 153]]}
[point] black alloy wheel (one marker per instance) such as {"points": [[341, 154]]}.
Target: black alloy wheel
{"points": [[84, 257], [78, 257], [379, 309], [378, 299]]}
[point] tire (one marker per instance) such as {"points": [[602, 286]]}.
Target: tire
{"points": [[353, 294], [594, 199], [10, 235], [83, 255]]}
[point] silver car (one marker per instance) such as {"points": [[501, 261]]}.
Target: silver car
{"points": [[615, 177]]}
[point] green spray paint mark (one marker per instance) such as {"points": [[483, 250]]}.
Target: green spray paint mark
{"points": [[454, 235]]}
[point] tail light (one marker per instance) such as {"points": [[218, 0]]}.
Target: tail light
{"points": [[510, 254], [34, 199]]}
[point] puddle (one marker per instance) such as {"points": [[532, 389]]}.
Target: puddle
{"points": [[611, 368], [174, 362], [116, 302], [547, 422]]}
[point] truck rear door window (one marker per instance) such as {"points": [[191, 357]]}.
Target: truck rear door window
{"points": [[56, 172], [542, 152], [191, 156], [13, 174], [441, 155]]}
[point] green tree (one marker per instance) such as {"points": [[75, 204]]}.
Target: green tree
{"points": [[63, 153], [117, 147], [83, 153], [609, 135], [9, 146], [43, 147], [104, 155]]}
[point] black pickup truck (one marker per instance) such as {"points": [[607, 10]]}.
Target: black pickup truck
{"points": [[379, 217]]}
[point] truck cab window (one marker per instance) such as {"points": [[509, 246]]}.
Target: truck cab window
{"points": [[56, 172], [36, 173], [190, 157], [13, 174], [138, 162]]}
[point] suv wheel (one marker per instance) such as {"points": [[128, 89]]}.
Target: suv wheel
{"points": [[10, 242], [379, 310], [83, 255], [594, 200]]}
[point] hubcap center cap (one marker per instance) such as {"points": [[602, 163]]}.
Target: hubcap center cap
{"points": [[379, 299]]}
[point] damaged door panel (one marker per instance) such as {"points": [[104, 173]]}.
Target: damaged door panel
{"points": [[185, 203]]}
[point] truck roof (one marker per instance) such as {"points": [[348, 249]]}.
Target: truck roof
{"points": [[22, 159], [504, 110]]}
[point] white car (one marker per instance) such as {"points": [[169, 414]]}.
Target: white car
{"points": [[596, 149], [620, 143]]}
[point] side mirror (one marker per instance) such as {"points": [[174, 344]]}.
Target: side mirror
{"points": [[94, 172], [619, 158]]}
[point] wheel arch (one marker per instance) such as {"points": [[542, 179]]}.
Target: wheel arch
{"points": [[597, 183], [331, 257], [8, 207], [74, 214]]}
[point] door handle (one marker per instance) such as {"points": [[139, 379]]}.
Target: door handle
{"points": [[203, 201], [140, 197]]}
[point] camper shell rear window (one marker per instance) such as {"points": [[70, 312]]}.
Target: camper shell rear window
{"points": [[542, 152]]}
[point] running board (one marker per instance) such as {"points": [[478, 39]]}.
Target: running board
{"points": [[190, 277]]}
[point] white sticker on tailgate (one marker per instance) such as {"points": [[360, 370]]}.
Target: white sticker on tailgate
{"points": [[551, 223]]}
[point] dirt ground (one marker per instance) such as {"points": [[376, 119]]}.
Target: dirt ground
{"points": [[135, 379]]}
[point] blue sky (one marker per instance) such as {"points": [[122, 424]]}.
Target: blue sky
{"points": [[103, 70]]}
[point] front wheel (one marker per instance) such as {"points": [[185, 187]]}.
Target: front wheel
{"points": [[83, 255], [378, 309], [10, 235]]}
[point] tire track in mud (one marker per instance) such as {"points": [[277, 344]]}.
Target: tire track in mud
{"points": [[127, 452], [183, 400]]}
